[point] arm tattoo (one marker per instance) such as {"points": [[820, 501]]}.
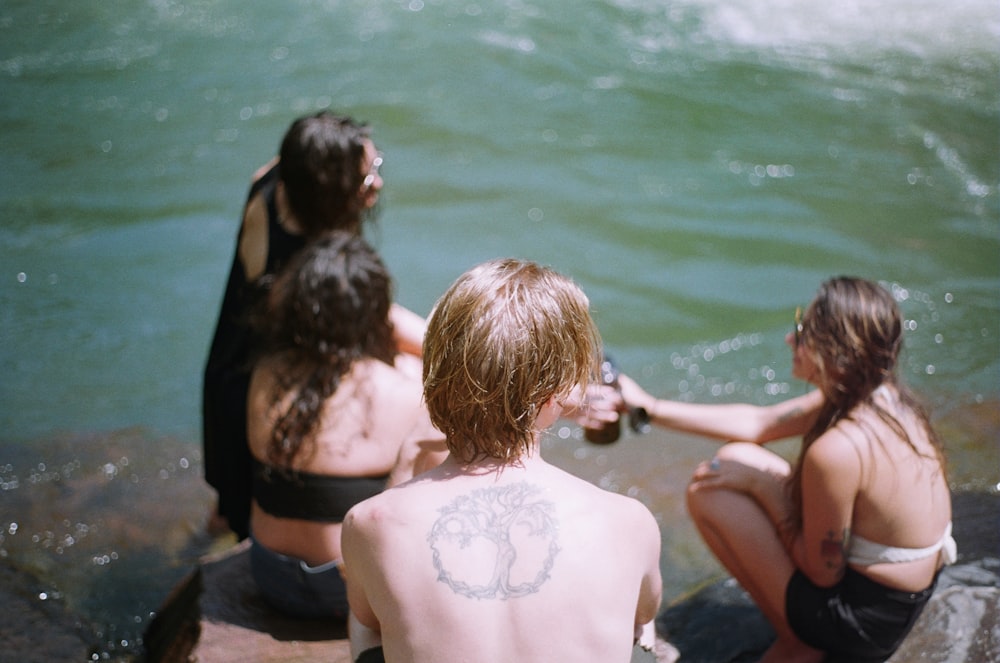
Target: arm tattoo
{"points": [[833, 549], [495, 543]]}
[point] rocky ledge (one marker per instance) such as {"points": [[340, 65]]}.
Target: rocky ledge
{"points": [[216, 616]]}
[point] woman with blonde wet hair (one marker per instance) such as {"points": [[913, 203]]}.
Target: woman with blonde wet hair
{"points": [[841, 549]]}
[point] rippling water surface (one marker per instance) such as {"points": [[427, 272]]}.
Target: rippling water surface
{"points": [[698, 166]]}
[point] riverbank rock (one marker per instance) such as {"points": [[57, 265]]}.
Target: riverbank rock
{"points": [[961, 623], [37, 626], [216, 615]]}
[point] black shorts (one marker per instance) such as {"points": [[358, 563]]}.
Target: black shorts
{"points": [[373, 655], [858, 618]]}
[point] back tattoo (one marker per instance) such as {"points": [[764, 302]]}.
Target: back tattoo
{"points": [[496, 543]]}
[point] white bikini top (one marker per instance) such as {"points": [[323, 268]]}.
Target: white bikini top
{"points": [[865, 553]]}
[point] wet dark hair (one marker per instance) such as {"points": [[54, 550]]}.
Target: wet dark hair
{"points": [[853, 332], [321, 161], [328, 308]]}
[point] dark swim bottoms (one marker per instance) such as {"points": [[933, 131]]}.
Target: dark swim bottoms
{"points": [[293, 587], [857, 619], [373, 655]]}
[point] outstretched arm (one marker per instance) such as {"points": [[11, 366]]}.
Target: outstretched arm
{"points": [[424, 450], [727, 422], [409, 329]]}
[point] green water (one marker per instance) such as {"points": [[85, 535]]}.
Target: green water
{"points": [[698, 166]]}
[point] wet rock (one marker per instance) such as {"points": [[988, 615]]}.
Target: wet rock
{"points": [[217, 616], [109, 522], [960, 624], [717, 624], [37, 626]]}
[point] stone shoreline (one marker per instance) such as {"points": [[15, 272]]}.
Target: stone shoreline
{"points": [[717, 624]]}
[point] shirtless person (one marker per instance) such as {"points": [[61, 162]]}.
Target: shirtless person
{"points": [[495, 555]]}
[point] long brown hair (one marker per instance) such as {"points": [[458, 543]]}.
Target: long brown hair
{"points": [[327, 309], [853, 332]]}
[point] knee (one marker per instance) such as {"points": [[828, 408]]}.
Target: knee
{"points": [[743, 452], [692, 500], [754, 455], [700, 502]]}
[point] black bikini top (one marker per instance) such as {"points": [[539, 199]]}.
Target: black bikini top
{"points": [[308, 496]]}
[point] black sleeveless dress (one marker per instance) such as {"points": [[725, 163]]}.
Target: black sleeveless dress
{"points": [[227, 459]]}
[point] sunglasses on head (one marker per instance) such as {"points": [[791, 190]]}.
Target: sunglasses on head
{"points": [[372, 172]]}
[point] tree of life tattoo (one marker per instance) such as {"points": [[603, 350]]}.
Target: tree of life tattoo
{"points": [[495, 543]]}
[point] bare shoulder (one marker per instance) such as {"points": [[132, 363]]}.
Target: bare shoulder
{"points": [[637, 517], [625, 528], [403, 502], [838, 450], [620, 512], [368, 517], [387, 389], [628, 506], [263, 170], [398, 381], [253, 238]]}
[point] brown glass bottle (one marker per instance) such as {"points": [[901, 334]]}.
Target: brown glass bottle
{"points": [[610, 431]]}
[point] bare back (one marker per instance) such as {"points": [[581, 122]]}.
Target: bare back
{"points": [[364, 424], [903, 498], [863, 479], [531, 564]]}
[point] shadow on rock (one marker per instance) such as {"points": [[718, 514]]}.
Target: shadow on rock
{"points": [[217, 614]]}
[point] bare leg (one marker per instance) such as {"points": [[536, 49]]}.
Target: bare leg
{"points": [[746, 543]]}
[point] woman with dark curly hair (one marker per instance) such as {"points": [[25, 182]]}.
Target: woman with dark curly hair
{"points": [[841, 549], [334, 416]]}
